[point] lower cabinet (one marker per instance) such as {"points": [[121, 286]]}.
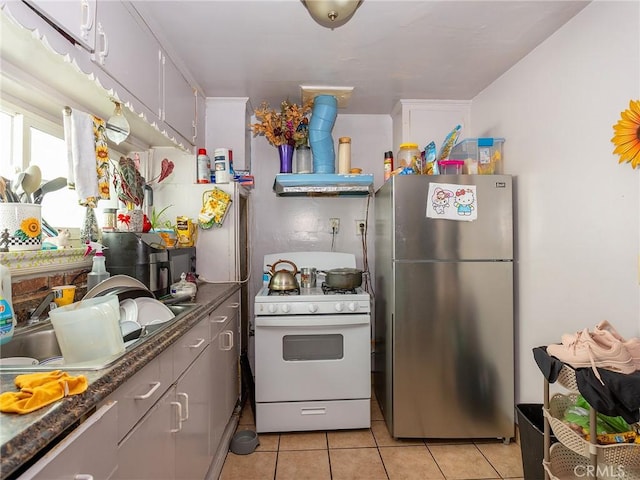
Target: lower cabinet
{"points": [[178, 437], [88, 452], [192, 436], [225, 357]]}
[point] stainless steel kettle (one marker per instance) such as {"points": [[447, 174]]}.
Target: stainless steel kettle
{"points": [[284, 279]]}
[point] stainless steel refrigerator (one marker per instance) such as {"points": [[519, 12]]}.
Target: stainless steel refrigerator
{"points": [[444, 307]]}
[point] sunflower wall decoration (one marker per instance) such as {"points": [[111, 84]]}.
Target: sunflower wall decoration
{"points": [[627, 135]]}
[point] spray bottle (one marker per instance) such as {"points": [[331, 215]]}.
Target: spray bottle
{"points": [[98, 271], [7, 318]]}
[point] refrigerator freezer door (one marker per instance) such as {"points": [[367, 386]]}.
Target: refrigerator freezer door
{"points": [[417, 237], [453, 350]]}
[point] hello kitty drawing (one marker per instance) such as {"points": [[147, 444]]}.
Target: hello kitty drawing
{"points": [[440, 200], [464, 201]]}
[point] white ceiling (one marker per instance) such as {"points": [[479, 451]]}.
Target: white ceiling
{"points": [[389, 50]]}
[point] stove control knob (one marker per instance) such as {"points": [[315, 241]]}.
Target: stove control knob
{"points": [[313, 308], [286, 308], [353, 306], [272, 308], [339, 307]]}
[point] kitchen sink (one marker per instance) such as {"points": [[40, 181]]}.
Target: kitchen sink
{"points": [[39, 342]]}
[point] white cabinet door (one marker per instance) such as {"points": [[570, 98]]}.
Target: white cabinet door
{"points": [[148, 452], [192, 439], [225, 387], [179, 100], [127, 50], [88, 452], [74, 18]]}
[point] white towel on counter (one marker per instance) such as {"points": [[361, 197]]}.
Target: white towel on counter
{"points": [[81, 154]]}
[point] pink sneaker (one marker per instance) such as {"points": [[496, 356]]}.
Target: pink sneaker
{"points": [[585, 351], [604, 333]]}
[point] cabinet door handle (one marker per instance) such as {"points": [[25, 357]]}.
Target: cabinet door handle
{"points": [[199, 344], [83, 476], [87, 19], [104, 51], [186, 406], [154, 387], [178, 405], [219, 319], [226, 334], [234, 305]]}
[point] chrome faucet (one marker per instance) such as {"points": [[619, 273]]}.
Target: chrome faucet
{"points": [[35, 316]]}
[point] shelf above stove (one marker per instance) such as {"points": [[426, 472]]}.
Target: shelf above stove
{"points": [[323, 184]]}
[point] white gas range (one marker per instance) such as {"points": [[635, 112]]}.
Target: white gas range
{"points": [[312, 352]]}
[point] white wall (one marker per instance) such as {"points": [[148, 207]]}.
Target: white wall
{"points": [[577, 209]]}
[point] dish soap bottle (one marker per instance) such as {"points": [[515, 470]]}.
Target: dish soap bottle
{"points": [[7, 318], [98, 272]]}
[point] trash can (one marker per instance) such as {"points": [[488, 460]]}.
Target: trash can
{"points": [[531, 425]]}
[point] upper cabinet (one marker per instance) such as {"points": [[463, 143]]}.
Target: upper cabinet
{"points": [[75, 18], [127, 50], [423, 121], [228, 121], [89, 51], [178, 100]]}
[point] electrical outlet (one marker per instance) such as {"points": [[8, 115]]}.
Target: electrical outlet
{"points": [[334, 225], [360, 226]]}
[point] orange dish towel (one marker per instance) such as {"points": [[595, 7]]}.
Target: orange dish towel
{"points": [[40, 389]]}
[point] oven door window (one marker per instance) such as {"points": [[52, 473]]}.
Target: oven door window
{"points": [[328, 346]]}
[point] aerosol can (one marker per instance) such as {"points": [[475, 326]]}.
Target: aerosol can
{"points": [[99, 270]]}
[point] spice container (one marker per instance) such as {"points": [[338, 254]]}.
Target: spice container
{"points": [[409, 156], [110, 222], [344, 155], [388, 165]]}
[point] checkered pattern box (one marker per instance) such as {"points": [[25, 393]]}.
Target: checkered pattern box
{"points": [[20, 226]]}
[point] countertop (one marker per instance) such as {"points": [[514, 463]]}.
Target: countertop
{"points": [[23, 436]]}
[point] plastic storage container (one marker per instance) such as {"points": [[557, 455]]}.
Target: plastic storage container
{"points": [[409, 156], [480, 155], [450, 167]]}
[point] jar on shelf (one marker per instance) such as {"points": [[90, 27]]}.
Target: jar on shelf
{"points": [[409, 156]]}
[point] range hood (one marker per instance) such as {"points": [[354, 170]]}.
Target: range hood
{"points": [[323, 184]]}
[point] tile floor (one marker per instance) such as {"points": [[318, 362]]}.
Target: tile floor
{"points": [[368, 454]]}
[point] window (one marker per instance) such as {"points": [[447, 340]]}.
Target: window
{"points": [[28, 139]]}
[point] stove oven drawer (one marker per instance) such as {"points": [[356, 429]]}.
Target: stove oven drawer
{"points": [[311, 358], [307, 416]]}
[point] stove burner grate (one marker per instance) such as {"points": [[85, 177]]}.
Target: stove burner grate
{"points": [[327, 290], [293, 291]]}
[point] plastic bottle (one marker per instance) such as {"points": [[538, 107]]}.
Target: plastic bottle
{"points": [[388, 165], [203, 166], [344, 155], [98, 271], [7, 318], [221, 165]]}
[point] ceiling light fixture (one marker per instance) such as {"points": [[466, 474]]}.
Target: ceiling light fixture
{"points": [[331, 13]]}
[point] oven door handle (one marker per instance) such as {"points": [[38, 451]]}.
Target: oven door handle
{"points": [[304, 321]]}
